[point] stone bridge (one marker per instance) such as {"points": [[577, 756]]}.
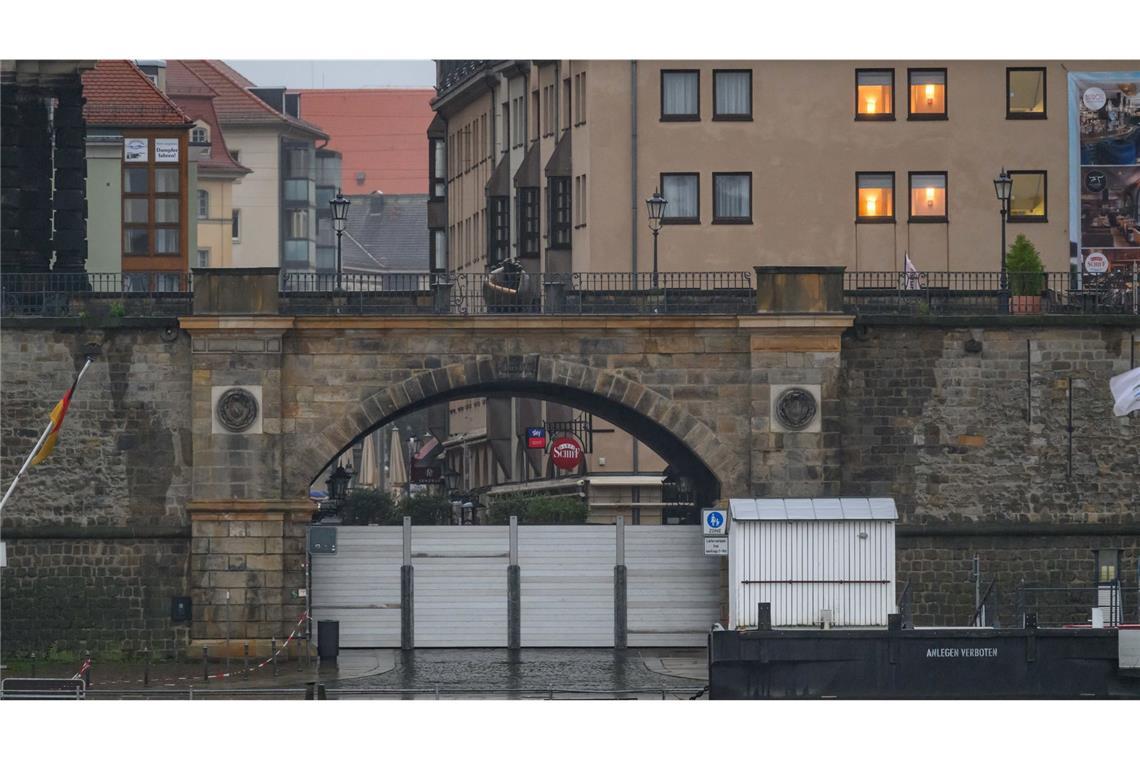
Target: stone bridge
{"points": [[157, 490]]}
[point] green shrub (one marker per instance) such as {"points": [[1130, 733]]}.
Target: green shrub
{"points": [[1025, 268], [539, 510], [426, 509], [118, 309], [366, 506]]}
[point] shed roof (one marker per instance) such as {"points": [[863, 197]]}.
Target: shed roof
{"points": [[813, 509]]}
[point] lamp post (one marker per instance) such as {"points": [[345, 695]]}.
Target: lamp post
{"points": [[339, 206], [655, 204], [1003, 186], [337, 485]]}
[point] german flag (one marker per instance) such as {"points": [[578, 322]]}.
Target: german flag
{"points": [[57, 415]]}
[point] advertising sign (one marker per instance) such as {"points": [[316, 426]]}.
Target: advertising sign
{"points": [[166, 150], [1104, 121], [536, 438], [134, 149], [566, 453]]}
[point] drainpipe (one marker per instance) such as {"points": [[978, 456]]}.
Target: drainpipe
{"points": [[633, 166], [633, 194]]}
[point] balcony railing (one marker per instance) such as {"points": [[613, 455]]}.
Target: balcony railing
{"points": [[76, 294]]}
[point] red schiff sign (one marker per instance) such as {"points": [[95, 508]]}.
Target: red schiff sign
{"points": [[566, 453]]}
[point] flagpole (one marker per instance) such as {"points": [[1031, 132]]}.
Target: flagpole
{"points": [[39, 443]]}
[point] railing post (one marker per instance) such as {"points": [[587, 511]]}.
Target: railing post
{"points": [[273, 654], [205, 663], [621, 589], [146, 666], [245, 662], [514, 587]]}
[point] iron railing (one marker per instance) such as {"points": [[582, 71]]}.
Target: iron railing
{"points": [[320, 690], [1058, 606], [491, 293], [959, 293], [56, 294]]}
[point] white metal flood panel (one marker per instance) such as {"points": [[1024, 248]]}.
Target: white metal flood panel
{"points": [[673, 588], [804, 566], [460, 585], [360, 586], [566, 584]]}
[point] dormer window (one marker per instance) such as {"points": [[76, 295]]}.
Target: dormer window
{"points": [[200, 135]]}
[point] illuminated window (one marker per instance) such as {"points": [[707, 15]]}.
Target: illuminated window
{"points": [[1028, 200], [874, 94], [928, 196], [680, 96], [1025, 93], [1107, 565], [874, 196], [927, 98]]}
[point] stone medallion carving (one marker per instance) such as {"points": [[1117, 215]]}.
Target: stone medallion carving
{"points": [[236, 410], [796, 408]]}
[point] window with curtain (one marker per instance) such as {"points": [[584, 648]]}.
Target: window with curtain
{"points": [[928, 197], [1028, 200], [682, 191], [874, 196], [203, 258], [732, 198], [732, 95], [680, 95], [438, 244], [438, 168], [203, 204], [558, 195], [1025, 93], [927, 99], [874, 94]]}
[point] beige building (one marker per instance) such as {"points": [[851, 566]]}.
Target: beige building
{"points": [[856, 164]]}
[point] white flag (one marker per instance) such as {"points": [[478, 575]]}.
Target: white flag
{"points": [[1126, 391], [913, 276]]}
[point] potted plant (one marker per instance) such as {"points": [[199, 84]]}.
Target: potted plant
{"points": [[1026, 276]]}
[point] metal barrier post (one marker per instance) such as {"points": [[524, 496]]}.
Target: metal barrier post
{"points": [[33, 664], [245, 662], [90, 665], [297, 653], [146, 666], [273, 650], [205, 663]]}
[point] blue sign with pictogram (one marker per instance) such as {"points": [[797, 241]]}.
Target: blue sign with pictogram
{"points": [[714, 522], [535, 438]]}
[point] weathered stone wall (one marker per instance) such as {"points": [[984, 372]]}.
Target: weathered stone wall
{"points": [[98, 537]]}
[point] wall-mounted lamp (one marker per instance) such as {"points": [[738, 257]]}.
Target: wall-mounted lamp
{"points": [[929, 197], [929, 94], [871, 105]]}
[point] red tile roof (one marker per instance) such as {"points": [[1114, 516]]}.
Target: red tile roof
{"points": [[119, 94], [196, 98], [380, 132], [236, 105]]}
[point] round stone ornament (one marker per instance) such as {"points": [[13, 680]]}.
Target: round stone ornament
{"points": [[237, 409], [795, 408]]}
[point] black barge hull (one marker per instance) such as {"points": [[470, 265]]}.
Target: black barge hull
{"points": [[977, 663]]}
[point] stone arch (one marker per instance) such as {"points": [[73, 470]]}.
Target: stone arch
{"points": [[657, 420]]}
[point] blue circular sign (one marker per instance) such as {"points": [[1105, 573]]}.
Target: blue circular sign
{"points": [[715, 519]]}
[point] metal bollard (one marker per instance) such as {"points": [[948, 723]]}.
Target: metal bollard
{"points": [[146, 666], [33, 664], [308, 655], [90, 665], [273, 651], [245, 662], [297, 653], [205, 663]]}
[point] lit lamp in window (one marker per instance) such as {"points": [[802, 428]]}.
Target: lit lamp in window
{"points": [[930, 197], [874, 198], [872, 206], [929, 95], [871, 107]]}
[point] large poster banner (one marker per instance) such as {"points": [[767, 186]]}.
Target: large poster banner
{"points": [[1104, 133]]}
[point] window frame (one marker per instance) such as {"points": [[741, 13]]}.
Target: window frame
{"points": [[751, 95], [436, 173], [731, 219], [859, 218], [529, 244], [679, 117], [203, 194], [235, 220], [559, 187], [1027, 115], [876, 116], [683, 219], [928, 219], [198, 258], [1099, 564], [945, 115], [1022, 219]]}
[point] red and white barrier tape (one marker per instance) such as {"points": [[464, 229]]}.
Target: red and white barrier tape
{"points": [[174, 679]]}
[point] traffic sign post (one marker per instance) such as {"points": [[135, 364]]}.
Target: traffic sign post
{"points": [[714, 526]]}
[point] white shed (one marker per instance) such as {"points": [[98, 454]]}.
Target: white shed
{"points": [[812, 560]]}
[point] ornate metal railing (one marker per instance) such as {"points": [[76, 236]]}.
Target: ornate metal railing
{"points": [[944, 293], [76, 294]]}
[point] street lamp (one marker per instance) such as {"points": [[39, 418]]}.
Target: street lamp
{"points": [[656, 206], [339, 206], [337, 488], [1003, 187]]}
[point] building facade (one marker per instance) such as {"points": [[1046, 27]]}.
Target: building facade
{"points": [[273, 219], [140, 176], [856, 164]]}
